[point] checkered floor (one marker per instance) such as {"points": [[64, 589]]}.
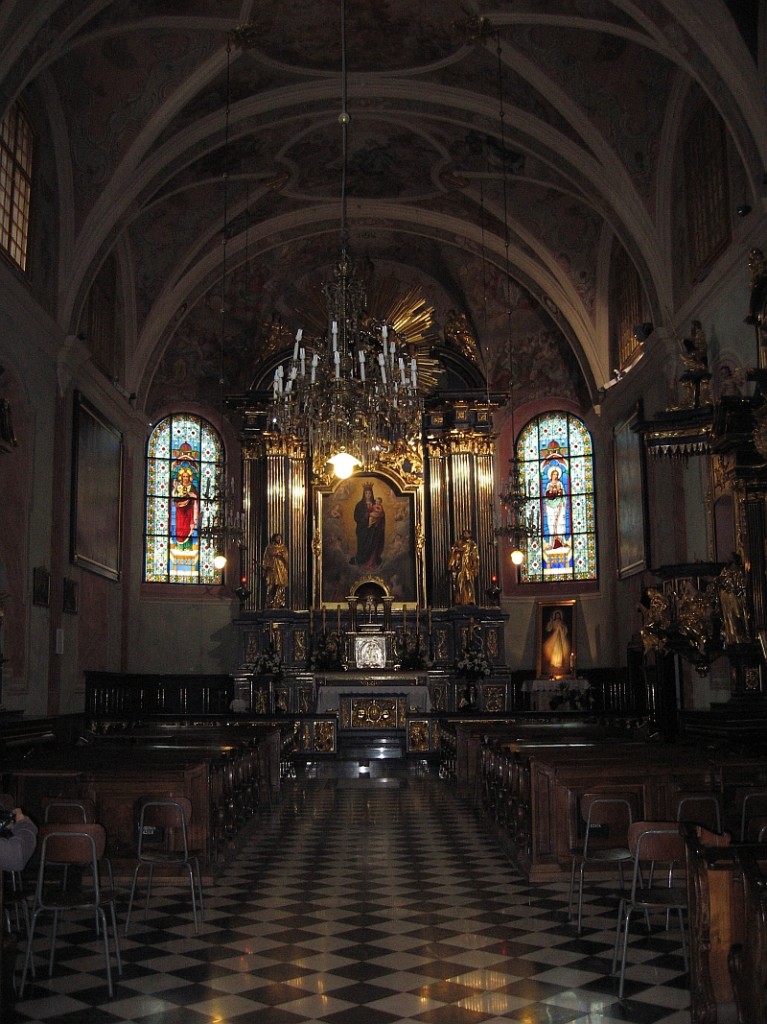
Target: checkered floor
{"points": [[367, 898]]}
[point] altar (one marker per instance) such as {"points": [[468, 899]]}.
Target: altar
{"points": [[538, 693], [337, 691]]}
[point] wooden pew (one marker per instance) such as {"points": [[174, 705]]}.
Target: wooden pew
{"points": [[221, 771], [727, 907]]}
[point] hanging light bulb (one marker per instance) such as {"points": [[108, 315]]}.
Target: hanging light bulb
{"points": [[344, 464], [219, 561], [517, 555]]}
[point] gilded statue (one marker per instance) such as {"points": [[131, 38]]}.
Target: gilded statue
{"points": [[657, 607], [275, 570], [459, 335], [695, 615], [731, 587], [463, 566]]}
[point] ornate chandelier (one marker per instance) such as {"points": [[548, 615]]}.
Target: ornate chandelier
{"points": [[519, 513], [351, 394], [221, 524]]}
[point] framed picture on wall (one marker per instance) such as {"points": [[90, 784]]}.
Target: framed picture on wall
{"points": [[556, 641], [630, 497], [97, 458]]}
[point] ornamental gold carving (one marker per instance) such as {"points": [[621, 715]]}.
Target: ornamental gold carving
{"points": [[418, 736], [491, 643], [324, 737], [494, 698]]}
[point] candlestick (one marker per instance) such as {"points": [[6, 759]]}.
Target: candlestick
{"points": [[339, 620], [404, 616], [324, 618], [428, 620]]}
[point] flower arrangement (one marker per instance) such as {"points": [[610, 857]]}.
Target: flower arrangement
{"points": [[473, 663], [267, 663], [570, 698]]}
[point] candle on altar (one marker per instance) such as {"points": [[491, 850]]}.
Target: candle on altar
{"points": [[417, 617], [471, 628], [428, 620], [324, 618], [311, 621], [404, 616], [339, 619]]}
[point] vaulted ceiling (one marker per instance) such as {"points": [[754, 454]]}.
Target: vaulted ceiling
{"points": [[172, 134]]}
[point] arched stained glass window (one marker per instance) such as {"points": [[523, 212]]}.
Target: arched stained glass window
{"points": [[557, 466], [185, 458]]}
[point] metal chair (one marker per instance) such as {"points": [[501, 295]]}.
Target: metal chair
{"points": [[650, 842], [173, 817], [73, 844], [607, 819], [75, 811], [753, 804], [700, 809]]}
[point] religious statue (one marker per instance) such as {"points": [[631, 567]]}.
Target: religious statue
{"points": [[731, 586], [459, 335], [657, 607], [275, 570], [696, 379], [695, 616], [463, 566]]}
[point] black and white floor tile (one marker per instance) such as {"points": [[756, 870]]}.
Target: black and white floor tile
{"points": [[366, 897]]}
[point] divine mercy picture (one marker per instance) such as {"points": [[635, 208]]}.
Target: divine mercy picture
{"points": [[367, 531]]}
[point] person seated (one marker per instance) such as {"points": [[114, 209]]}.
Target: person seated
{"points": [[17, 841]]}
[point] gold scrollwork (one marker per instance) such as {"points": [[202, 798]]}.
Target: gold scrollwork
{"points": [[494, 698], [324, 737], [491, 643], [417, 736], [299, 642]]}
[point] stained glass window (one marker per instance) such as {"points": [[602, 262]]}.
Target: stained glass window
{"points": [[184, 460], [15, 183], [556, 463]]}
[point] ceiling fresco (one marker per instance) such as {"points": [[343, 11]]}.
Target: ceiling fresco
{"points": [[496, 155]]}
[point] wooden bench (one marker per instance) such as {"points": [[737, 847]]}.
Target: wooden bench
{"points": [[223, 772], [727, 907]]}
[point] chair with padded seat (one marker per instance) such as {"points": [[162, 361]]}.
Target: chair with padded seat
{"points": [[82, 845], [606, 818], [172, 817], [650, 842]]}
